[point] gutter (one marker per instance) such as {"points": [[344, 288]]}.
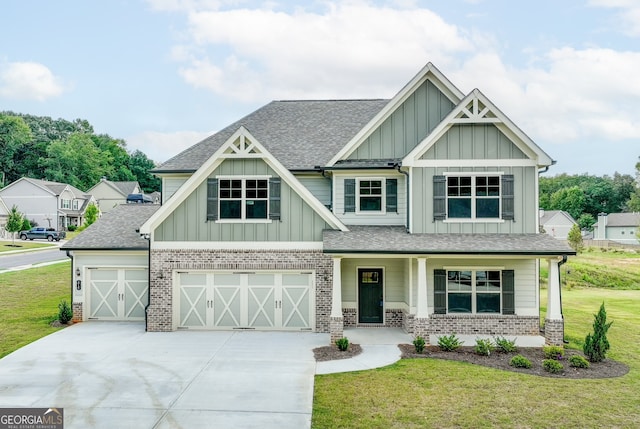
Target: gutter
{"points": [[438, 252]]}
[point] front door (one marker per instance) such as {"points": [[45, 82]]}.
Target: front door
{"points": [[370, 297]]}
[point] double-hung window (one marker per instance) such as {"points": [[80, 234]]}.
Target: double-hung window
{"points": [[65, 204], [370, 195], [243, 198], [473, 291], [473, 197]]}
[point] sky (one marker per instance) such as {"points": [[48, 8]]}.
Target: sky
{"points": [[163, 74]]}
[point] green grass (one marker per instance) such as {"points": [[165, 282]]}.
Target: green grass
{"points": [[419, 393], [29, 302], [7, 246]]}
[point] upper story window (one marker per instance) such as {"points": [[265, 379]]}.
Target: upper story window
{"points": [[65, 204], [374, 195], [243, 199], [473, 197], [75, 204], [474, 291]]}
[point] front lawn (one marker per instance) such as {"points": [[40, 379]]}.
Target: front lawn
{"points": [[7, 246], [29, 302], [418, 393]]}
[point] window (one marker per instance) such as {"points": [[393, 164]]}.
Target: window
{"points": [[473, 291], [473, 197], [75, 204], [243, 198], [370, 195], [65, 204]]}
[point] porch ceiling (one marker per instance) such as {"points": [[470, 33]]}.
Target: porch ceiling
{"points": [[395, 240]]}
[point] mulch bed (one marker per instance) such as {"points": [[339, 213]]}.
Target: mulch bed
{"points": [[326, 353], [607, 369]]}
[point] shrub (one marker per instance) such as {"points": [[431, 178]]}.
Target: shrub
{"points": [[553, 352], [552, 366], [65, 314], [342, 343], [448, 343], [72, 227], [520, 361], [484, 347], [419, 344], [506, 346], [578, 361], [596, 346]]}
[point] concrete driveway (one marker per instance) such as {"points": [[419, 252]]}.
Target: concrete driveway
{"points": [[115, 375]]}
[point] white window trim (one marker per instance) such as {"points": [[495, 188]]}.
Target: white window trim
{"points": [[243, 199], [62, 204], [473, 270], [473, 218], [383, 196]]}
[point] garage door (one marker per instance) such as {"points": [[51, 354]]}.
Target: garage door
{"points": [[257, 300], [118, 293]]}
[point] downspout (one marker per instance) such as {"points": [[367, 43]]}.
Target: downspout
{"points": [[561, 263], [70, 255], [146, 308], [323, 172], [397, 166]]}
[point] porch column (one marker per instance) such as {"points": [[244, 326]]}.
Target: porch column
{"points": [[554, 324], [421, 324], [336, 320]]}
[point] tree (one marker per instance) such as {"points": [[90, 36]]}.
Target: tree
{"points": [[575, 238], [596, 346], [140, 166], [14, 133], [570, 200], [14, 223], [91, 214], [26, 225], [586, 221]]}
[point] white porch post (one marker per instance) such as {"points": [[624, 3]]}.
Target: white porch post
{"points": [[336, 291], [422, 304], [553, 324]]}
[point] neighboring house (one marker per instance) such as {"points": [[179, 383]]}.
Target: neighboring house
{"points": [[50, 204], [556, 223], [4, 215], [618, 227], [110, 194], [418, 212]]}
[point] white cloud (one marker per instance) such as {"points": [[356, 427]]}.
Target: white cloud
{"points": [[159, 147], [28, 81], [629, 14]]}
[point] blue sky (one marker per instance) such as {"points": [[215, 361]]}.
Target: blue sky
{"points": [[162, 74]]}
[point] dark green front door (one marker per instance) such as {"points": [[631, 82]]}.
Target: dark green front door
{"points": [[370, 295]]}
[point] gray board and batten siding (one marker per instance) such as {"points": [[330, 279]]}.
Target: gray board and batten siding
{"points": [[188, 222]]}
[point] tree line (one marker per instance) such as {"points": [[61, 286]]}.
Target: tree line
{"points": [[68, 152], [584, 196]]}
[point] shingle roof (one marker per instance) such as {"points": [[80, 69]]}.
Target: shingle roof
{"points": [[125, 188], [116, 230], [300, 134], [394, 239], [549, 214], [56, 187], [623, 219]]}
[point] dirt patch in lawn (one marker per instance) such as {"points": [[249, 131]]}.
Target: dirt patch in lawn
{"points": [[326, 353], [607, 369]]}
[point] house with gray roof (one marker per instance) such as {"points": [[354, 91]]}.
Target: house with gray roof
{"points": [[49, 204], [110, 194], [556, 223], [618, 227], [418, 212]]}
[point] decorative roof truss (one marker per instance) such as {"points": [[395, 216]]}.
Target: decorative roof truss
{"points": [[475, 112]]}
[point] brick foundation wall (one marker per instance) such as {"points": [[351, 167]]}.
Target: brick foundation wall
{"points": [[408, 321], [350, 317], [163, 262], [421, 328], [477, 324], [554, 332], [76, 307], [393, 318], [336, 328]]}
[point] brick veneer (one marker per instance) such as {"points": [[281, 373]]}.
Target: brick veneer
{"points": [[76, 307], [350, 317], [480, 324], [336, 328], [554, 332], [164, 262]]}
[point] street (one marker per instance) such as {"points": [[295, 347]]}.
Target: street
{"points": [[27, 259]]}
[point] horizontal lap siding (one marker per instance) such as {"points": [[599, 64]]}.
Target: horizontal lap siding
{"points": [[170, 186], [363, 218], [319, 186], [394, 278]]}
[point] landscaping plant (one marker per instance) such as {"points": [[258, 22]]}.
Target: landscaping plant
{"points": [[343, 344], [578, 361], [596, 346], [552, 366], [519, 361], [448, 343], [65, 314], [505, 346], [553, 352], [419, 344], [484, 347]]}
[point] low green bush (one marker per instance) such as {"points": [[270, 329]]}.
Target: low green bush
{"points": [[342, 344], [449, 343], [578, 361], [552, 366], [553, 352], [505, 346], [419, 344], [65, 314], [72, 228], [520, 361], [484, 347]]}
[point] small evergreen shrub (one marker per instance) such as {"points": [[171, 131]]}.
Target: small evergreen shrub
{"points": [[419, 344], [484, 347], [343, 344], [552, 366], [505, 346], [72, 228], [596, 345], [65, 314], [519, 361], [553, 352], [578, 361], [448, 343]]}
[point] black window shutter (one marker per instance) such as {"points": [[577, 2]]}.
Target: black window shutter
{"points": [[212, 199], [274, 198], [392, 195], [508, 212], [439, 291], [508, 292], [439, 197], [349, 195]]}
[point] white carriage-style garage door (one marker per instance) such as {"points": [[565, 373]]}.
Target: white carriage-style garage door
{"points": [[118, 293], [240, 300]]}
